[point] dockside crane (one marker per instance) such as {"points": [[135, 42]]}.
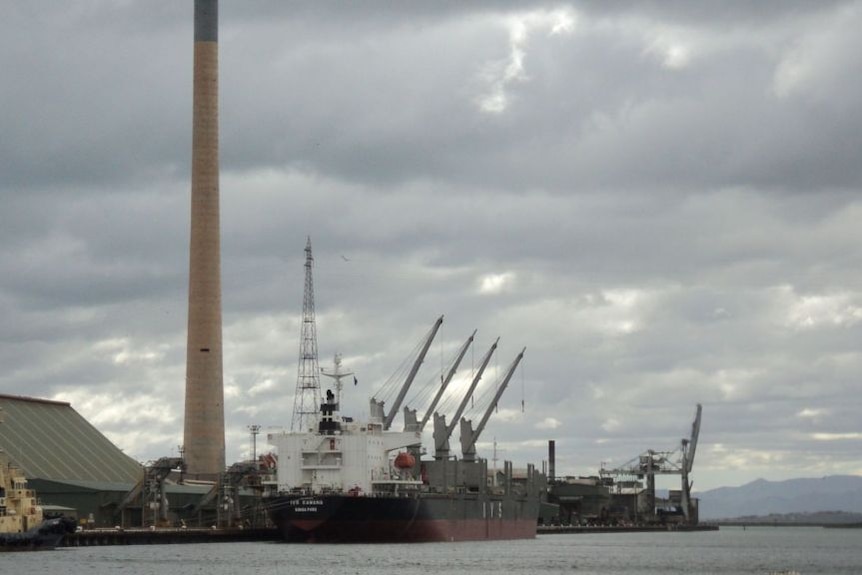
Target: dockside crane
{"points": [[442, 431], [688, 449], [468, 436], [675, 462]]}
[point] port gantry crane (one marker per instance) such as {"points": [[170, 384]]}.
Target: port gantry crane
{"points": [[676, 462]]}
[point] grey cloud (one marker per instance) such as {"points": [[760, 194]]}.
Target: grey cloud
{"points": [[659, 236]]}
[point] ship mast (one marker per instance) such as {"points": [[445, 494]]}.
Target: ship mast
{"points": [[337, 375], [306, 400]]}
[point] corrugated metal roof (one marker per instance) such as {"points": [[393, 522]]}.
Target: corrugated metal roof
{"points": [[45, 485], [50, 440]]}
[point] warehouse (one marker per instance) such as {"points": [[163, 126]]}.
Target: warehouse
{"points": [[72, 466]]}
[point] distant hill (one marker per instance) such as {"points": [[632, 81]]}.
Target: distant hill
{"points": [[761, 497]]}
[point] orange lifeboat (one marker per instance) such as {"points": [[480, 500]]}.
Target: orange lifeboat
{"points": [[405, 460]]}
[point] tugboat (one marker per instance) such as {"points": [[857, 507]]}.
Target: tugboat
{"points": [[22, 525]]}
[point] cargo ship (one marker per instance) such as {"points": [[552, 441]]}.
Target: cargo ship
{"points": [[344, 481]]}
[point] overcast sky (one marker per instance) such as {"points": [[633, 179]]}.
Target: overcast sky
{"points": [[660, 200]]}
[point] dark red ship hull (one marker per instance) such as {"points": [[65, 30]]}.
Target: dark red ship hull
{"points": [[409, 519]]}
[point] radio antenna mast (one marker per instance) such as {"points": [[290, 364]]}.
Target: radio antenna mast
{"points": [[306, 401]]}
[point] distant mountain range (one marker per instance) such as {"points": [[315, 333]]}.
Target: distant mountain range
{"points": [[761, 497]]}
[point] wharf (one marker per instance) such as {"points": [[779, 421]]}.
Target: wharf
{"points": [[91, 537], [551, 529], [744, 524]]}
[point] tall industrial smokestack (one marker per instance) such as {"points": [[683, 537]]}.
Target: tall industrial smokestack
{"points": [[204, 414]]}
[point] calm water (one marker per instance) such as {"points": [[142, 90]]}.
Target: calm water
{"points": [[731, 550]]}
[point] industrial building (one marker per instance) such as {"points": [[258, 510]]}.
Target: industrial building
{"points": [[77, 471], [626, 495]]}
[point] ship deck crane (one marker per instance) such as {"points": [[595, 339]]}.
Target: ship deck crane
{"points": [[410, 421], [468, 436], [412, 375], [377, 407], [675, 462], [442, 431]]}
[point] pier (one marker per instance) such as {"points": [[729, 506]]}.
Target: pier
{"points": [[92, 537], [551, 529]]}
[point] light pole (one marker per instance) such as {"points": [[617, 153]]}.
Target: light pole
{"points": [[254, 429]]}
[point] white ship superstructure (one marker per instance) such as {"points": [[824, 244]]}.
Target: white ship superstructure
{"points": [[341, 456]]}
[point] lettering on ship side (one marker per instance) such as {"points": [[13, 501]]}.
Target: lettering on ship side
{"points": [[296, 502], [306, 505]]}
